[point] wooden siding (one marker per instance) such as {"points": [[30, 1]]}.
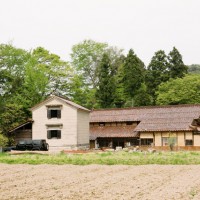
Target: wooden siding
{"points": [[22, 135]]}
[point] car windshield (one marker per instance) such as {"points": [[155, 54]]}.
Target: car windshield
{"points": [[21, 142], [29, 142]]}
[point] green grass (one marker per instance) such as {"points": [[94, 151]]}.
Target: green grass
{"points": [[107, 158]]}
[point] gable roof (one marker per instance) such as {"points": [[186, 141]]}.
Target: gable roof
{"points": [[61, 98], [152, 118]]}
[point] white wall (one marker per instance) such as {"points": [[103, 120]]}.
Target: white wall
{"points": [[83, 127], [68, 119]]}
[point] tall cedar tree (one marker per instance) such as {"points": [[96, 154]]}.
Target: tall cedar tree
{"points": [[120, 94], [177, 68], [133, 74], [105, 92], [157, 72]]}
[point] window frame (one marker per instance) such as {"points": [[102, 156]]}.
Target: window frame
{"points": [[49, 132], [51, 112], [189, 144], [147, 141]]}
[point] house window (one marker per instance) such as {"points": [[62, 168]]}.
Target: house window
{"points": [[53, 113], [188, 142], [54, 134], [146, 141]]}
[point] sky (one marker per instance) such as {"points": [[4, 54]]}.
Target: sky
{"points": [[146, 26]]}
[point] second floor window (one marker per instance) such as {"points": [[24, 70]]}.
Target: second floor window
{"points": [[53, 113]]}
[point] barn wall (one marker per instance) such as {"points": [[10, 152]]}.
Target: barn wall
{"points": [[22, 135]]}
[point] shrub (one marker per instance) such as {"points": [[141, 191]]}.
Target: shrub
{"points": [[3, 140]]}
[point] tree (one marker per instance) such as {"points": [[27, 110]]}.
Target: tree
{"points": [[105, 93], [142, 98], [3, 141], [27, 78], [12, 115], [85, 58], [180, 91], [177, 68], [133, 74], [194, 69], [12, 65], [12, 68], [157, 72], [57, 72], [120, 97]]}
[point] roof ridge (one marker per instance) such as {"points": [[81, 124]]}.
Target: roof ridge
{"points": [[148, 107]]}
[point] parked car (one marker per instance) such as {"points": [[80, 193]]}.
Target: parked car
{"points": [[32, 145], [21, 145], [40, 145], [6, 149]]}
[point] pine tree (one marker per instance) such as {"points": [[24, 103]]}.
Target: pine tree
{"points": [[157, 72], [105, 92], [133, 74], [177, 68], [120, 94]]}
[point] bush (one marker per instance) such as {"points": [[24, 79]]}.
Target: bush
{"points": [[3, 140]]}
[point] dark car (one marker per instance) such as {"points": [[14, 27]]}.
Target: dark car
{"points": [[32, 145], [40, 145], [21, 145]]}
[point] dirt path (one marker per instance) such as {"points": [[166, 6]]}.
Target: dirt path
{"points": [[99, 182]]}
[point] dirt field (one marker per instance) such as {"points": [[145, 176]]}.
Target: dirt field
{"points": [[99, 182]]}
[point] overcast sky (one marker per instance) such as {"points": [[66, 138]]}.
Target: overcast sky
{"points": [[143, 25]]}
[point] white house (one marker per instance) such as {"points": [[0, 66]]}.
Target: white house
{"points": [[64, 124]]}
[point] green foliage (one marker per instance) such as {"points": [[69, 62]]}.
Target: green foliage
{"points": [[56, 71], [194, 69], [157, 72], [115, 158], [12, 115], [85, 58], [120, 97], [142, 98], [12, 65], [3, 140], [26, 78], [105, 92], [133, 74], [180, 91], [177, 68]]}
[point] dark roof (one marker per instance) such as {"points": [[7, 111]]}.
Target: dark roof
{"points": [[152, 118], [63, 99], [111, 131], [30, 121]]}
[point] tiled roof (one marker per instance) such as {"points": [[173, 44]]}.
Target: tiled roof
{"points": [[111, 131], [152, 118]]}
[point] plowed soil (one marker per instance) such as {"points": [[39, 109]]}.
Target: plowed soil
{"points": [[90, 182]]}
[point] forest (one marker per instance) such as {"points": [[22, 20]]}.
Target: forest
{"points": [[96, 76]]}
